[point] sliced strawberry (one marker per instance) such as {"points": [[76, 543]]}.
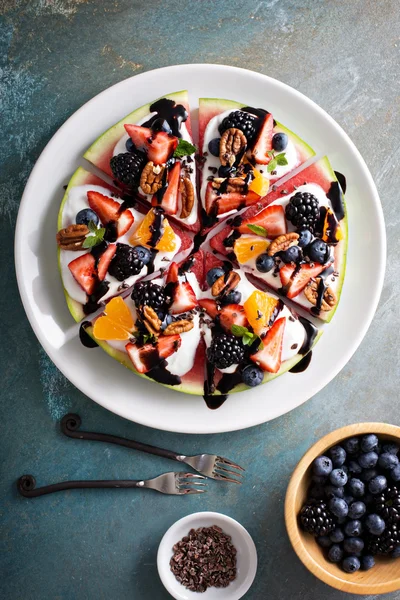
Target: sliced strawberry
{"points": [[106, 208], [271, 218], [169, 201], [172, 276], [296, 284], [159, 146], [220, 204], [168, 344], [232, 314], [83, 269], [143, 358], [210, 306], [104, 261], [125, 222], [184, 298], [263, 143], [270, 356]]}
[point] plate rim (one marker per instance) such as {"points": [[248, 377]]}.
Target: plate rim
{"points": [[314, 387]]}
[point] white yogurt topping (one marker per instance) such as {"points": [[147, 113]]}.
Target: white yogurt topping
{"points": [[120, 148], [213, 162], [182, 361], [76, 201]]}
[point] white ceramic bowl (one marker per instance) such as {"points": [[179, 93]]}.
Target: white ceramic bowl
{"points": [[241, 539]]}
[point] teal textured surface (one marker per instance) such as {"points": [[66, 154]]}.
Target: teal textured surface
{"points": [[54, 56]]}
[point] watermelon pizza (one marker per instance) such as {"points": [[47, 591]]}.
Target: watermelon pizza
{"points": [[197, 269]]}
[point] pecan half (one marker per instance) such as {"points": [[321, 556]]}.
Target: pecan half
{"points": [[151, 320], [187, 197], [178, 327], [234, 184], [233, 141], [225, 284], [72, 237], [283, 242], [329, 299], [151, 179]]}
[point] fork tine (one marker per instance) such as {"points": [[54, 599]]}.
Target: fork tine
{"points": [[190, 476], [225, 461], [227, 471], [224, 478], [192, 491]]}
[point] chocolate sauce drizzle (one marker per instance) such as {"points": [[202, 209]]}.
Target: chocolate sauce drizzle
{"points": [[85, 338], [174, 114]]}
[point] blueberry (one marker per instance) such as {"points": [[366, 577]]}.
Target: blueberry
{"points": [[337, 535], [322, 466], [144, 254], [86, 215], [368, 474], [351, 564], [377, 484], [317, 492], [234, 297], [319, 479], [129, 145], [353, 545], [161, 125], [226, 171], [375, 524], [338, 507], [396, 552], [368, 460], [351, 445], [348, 499], [338, 477], [324, 541], [395, 473], [369, 442], [353, 528], [214, 274], [280, 141], [292, 254], [265, 263], [391, 447], [252, 375], [335, 554], [356, 487], [388, 461], [332, 490], [357, 510], [354, 467], [213, 146], [318, 251], [305, 237], [367, 562], [338, 456]]}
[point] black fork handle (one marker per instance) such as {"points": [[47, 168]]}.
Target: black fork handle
{"points": [[27, 485], [70, 426]]}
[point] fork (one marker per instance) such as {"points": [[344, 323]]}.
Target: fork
{"points": [[210, 465], [178, 484]]}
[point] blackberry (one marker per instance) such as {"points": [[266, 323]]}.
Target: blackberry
{"points": [[225, 350], [127, 167], [147, 293], [316, 518], [387, 542], [387, 505], [303, 211], [241, 120], [125, 263]]}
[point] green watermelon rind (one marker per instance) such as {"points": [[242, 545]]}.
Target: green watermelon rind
{"points": [[111, 136], [193, 388], [223, 105]]}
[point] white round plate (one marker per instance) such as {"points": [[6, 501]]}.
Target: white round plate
{"points": [[246, 557], [102, 378]]}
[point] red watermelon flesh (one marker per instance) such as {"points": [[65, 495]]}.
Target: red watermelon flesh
{"points": [[196, 375], [210, 262], [186, 241], [216, 242], [197, 266]]}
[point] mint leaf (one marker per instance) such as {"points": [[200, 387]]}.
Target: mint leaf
{"points": [[258, 230], [272, 165], [96, 238], [184, 148], [239, 331], [247, 339], [247, 336], [92, 227], [281, 159]]}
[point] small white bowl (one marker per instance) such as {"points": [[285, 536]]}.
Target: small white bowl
{"points": [[241, 539]]}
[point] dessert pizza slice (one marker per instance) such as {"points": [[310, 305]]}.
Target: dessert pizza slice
{"points": [[298, 243], [150, 154], [105, 244], [243, 150]]}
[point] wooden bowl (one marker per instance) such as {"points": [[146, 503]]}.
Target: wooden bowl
{"points": [[385, 576]]}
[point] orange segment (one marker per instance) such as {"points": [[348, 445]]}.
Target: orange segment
{"points": [[142, 235], [248, 247], [117, 322], [259, 185], [259, 308]]}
